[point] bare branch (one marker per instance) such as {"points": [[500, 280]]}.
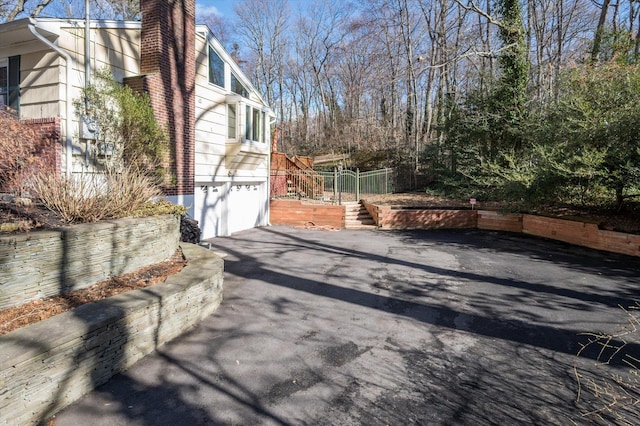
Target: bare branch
{"points": [[472, 6], [39, 7], [17, 9]]}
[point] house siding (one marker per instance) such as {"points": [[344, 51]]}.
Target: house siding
{"points": [[41, 73], [165, 57]]}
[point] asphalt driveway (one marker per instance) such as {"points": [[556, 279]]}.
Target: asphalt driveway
{"points": [[381, 327]]}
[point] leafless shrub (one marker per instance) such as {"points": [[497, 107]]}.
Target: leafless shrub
{"points": [[93, 197], [611, 393]]}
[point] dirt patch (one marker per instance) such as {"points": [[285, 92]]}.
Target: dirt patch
{"points": [[23, 215], [38, 310]]}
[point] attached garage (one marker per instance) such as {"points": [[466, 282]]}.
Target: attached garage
{"points": [[225, 208]]}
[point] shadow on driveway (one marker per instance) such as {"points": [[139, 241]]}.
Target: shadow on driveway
{"points": [[371, 327]]}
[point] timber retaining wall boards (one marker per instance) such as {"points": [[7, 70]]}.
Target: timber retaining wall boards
{"points": [[580, 233], [293, 212], [46, 263], [389, 218], [48, 365]]}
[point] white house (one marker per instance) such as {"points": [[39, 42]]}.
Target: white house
{"points": [[218, 123]]}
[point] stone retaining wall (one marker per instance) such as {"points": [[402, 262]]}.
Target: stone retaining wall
{"points": [[48, 365], [46, 263]]}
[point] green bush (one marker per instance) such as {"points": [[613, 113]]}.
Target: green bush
{"points": [[125, 119]]}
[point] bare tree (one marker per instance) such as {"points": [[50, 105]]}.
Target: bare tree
{"points": [[597, 38], [262, 26], [19, 7]]}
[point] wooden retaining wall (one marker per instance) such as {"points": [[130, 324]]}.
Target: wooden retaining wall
{"points": [[570, 231], [496, 221], [582, 234], [294, 213], [389, 218]]}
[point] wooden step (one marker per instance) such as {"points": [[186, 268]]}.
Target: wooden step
{"points": [[357, 217]]}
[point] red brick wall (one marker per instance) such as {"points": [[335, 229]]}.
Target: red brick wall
{"points": [[48, 128], [167, 62], [278, 185]]}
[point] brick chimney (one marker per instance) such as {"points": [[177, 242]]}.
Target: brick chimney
{"points": [[167, 65]]}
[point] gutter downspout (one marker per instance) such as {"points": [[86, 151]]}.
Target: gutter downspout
{"points": [[87, 73], [69, 106]]}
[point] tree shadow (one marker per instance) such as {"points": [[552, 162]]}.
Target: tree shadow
{"points": [[488, 324]]}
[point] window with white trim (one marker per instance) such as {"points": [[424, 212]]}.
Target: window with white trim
{"points": [[216, 68], [232, 121], [249, 119], [4, 82], [237, 87]]}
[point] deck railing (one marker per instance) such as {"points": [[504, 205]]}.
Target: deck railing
{"points": [[350, 185]]}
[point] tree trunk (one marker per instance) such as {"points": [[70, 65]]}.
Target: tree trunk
{"points": [[597, 39]]}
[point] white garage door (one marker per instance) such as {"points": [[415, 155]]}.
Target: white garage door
{"points": [[208, 209], [224, 208], [246, 206]]}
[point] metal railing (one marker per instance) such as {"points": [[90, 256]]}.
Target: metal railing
{"points": [[350, 185]]}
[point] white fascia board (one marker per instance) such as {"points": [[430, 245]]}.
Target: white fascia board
{"points": [[55, 24]]}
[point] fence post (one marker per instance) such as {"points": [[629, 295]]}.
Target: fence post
{"points": [[335, 184], [357, 185], [386, 180]]}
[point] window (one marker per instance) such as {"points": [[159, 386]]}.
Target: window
{"points": [[254, 124], [216, 68], [237, 87], [4, 82], [257, 134], [231, 121], [247, 124]]}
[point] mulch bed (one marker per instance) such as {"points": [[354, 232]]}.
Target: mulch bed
{"points": [[38, 310]]}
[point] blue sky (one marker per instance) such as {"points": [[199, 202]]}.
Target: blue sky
{"points": [[225, 7], [214, 7]]}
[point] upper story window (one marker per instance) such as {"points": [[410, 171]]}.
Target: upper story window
{"points": [[237, 87], [216, 68], [4, 83]]}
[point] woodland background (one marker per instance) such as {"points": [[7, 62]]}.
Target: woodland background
{"points": [[532, 101]]}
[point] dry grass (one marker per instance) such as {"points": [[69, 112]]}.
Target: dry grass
{"points": [[93, 197], [611, 395]]}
